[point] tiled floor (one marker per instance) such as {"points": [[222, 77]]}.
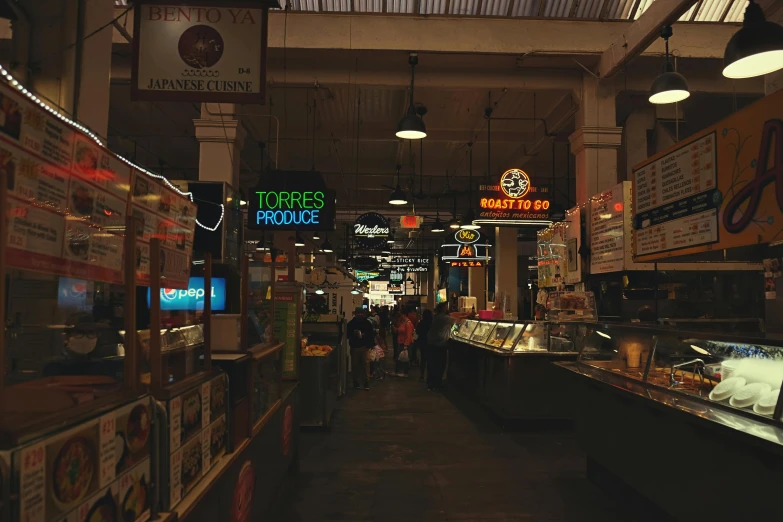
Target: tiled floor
{"points": [[401, 453]]}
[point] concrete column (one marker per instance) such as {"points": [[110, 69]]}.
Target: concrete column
{"points": [[477, 286], [221, 137], [635, 139], [74, 77], [596, 140], [506, 265]]}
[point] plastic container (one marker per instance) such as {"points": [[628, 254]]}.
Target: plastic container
{"points": [[749, 394], [767, 402], [726, 388]]}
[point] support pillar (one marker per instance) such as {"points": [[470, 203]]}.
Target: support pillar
{"points": [[477, 286], [221, 137], [596, 140], [51, 56], [635, 147], [506, 266]]}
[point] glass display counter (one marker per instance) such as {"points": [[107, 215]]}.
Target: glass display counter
{"points": [[508, 365], [717, 397]]}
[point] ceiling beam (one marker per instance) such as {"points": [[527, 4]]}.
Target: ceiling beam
{"points": [[642, 32], [480, 35]]}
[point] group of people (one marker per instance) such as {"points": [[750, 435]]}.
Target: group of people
{"points": [[417, 341]]}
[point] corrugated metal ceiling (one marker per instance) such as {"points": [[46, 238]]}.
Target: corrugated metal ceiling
{"points": [[702, 11]]}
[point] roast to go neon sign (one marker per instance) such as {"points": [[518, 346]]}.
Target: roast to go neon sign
{"points": [[289, 207], [514, 204]]}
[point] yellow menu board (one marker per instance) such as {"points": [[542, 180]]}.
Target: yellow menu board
{"points": [[720, 188]]}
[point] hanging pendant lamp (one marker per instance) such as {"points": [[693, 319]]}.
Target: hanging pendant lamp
{"points": [[438, 225], [669, 86], [298, 241], [411, 126], [756, 49], [398, 195], [326, 247], [316, 236]]}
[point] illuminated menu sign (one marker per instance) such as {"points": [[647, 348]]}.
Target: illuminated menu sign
{"points": [[513, 201], [292, 201], [468, 264]]}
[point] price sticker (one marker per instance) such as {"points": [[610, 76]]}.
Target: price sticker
{"points": [[32, 485], [108, 455]]}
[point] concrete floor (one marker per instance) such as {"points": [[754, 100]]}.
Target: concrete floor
{"points": [[401, 453]]}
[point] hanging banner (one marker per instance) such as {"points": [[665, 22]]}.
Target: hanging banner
{"points": [[371, 230], [68, 201], [200, 52], [721, 188], [513, 201]]}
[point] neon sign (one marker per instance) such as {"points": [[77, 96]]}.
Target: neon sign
{"points": [[291, 201], [513, 201], [467, 264]]}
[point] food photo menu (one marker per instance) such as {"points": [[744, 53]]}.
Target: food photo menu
{"points": [[69, 199]]}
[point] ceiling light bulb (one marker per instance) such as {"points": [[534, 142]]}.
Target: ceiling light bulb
{"points": [[398, 197], [756, 49], [319, 291]]}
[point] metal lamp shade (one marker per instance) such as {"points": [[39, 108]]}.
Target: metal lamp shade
{"points": [[411, 126], [756, 49], [398, 197], [467, 221], [438, 226], [669, 87]]}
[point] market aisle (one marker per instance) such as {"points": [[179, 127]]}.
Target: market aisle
{"points": [[401, 453]]}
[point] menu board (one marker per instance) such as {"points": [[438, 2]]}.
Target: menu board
{"points": [[197, 435], [100, 466], [607, 213], [159, 212], [573, 238], [675, 199], [68, 199]]}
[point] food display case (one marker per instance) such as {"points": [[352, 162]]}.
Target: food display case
{"points": [[714, 397], [507, 364], [322, 350]]}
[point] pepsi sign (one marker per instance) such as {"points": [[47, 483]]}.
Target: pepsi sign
{"points": [[172, 299]]}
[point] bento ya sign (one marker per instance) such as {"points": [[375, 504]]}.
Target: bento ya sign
{"points": [[199, 53]]}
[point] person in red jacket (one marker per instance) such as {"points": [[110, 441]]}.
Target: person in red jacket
{"points": [[404, 340]]}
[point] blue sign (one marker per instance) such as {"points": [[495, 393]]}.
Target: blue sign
{"points": [[193, 298]]}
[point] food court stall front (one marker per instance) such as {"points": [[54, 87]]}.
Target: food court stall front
{"points": [[707, 405], [505, 363], [79, 437]]}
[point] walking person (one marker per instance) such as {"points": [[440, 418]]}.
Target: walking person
{"points": [[413, 317], [361, 338], [404, 341], [438, 339], [422, 330]]}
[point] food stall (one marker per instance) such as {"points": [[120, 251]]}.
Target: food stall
{"points": [[647, 394], [79, 433]]}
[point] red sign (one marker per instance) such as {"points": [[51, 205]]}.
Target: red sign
{"points": [[288, 426], [243, 493], [282, 277], [410, 221]]}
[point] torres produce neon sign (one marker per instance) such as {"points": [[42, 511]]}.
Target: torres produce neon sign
{"points": [[289, 208]]}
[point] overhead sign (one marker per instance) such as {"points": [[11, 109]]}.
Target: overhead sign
{"points": [[379, 287], [394, 288], [410, 264], [364, 263], [362, 275], [192, 298], [199, 53], [371, 230], [468, 264], [292, 201], [396, 275], [411, 221], [466, 236], [513, 201], [721, 188]]}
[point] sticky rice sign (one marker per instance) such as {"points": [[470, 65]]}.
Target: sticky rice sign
{"points": [[721, 188], [199, 53]]}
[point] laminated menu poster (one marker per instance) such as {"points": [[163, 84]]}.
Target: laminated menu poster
{"points": [[721, 188], [160, 212], [607, 249], [68, 199], [98, 467]]}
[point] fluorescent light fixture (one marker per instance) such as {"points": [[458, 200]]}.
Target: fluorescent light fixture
{"points": [[603, 334], [700, 350]]}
